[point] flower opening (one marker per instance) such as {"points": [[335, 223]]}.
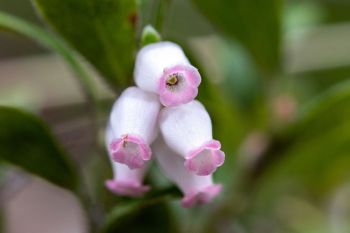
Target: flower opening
{"points": [[178, 85], [205, 159], [130, 150]]}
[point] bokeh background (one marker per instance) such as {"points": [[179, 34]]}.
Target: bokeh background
{"points": [[275, 81]]}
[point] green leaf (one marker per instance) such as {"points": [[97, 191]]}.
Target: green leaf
{"points": [[312, 157], [150, 213], [26, 142], [152, 219], [22, 27], [103, 31], [255, 24], [149, 35], [305, 165]]}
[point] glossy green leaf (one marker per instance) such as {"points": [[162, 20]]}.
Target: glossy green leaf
{"points": [[255, 24], [26, 142], [103, 31]]}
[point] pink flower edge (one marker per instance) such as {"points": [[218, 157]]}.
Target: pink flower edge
{"points": [[184, 94], [205, 159], [134, 160], [201, 197], [126, 188]]}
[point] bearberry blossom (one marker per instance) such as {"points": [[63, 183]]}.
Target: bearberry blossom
{"points": [[126, 181], [164, 69], [187, 130], [185, 148], [196, 189], [133, 122]]}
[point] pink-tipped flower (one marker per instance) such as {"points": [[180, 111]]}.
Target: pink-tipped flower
{"points": [[163, 68], [187, 130], [134, 124], [196, 189], [126, 181]]}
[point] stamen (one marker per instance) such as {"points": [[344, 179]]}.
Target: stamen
{"points": [[174, 80], [125, 141]]}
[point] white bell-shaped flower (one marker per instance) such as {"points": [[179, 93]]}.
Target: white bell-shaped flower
{"points": [[126, 181], [163, 68], [187, 130], [133, 121], [196, 189]]}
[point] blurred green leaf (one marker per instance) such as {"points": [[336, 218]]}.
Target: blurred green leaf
{"points": [[134, 219], [180, 13], [47, 39], [321, 79], [241, 79], [337, 10], [150, 213], [103, 31], [26, 142], [255, 24], [311, 157]]}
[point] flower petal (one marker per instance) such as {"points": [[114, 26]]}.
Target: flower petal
{"points": [[185, 127], [196, 189], [133, 121], [205, 159], [126, 181], [136, 112], [151, 61], [185, 87], [130, 150], [201, 197], [126, 188]]}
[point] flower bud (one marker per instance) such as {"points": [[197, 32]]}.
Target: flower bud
{"points": [[196, 189], [126, 181], [163, 68], [133, 121], [187, 130]]}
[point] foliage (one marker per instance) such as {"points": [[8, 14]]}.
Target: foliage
{"points": [[27, 143], [283, 121]]}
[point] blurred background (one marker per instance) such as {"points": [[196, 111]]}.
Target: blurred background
{"points": [[276, 83]]}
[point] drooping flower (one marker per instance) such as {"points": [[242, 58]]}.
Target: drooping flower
{"points": [[163, 68], [126, 181], [133, 121], [187, 130], [196, 189]]}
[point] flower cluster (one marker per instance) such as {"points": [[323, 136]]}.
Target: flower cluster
{"points": [[160, 116]]}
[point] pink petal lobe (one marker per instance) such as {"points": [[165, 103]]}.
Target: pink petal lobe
{"points": [[201, 197], [183, 89], [126, 188], [130, 150], [205, 159]]}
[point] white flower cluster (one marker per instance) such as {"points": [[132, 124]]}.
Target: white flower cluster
{"points": [[161, 116]]}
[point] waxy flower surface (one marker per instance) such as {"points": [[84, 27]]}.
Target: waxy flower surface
{"points": [[185, 148], [134, 124], [196, 189], [126, 181], [164, 69], [187, 130]]}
